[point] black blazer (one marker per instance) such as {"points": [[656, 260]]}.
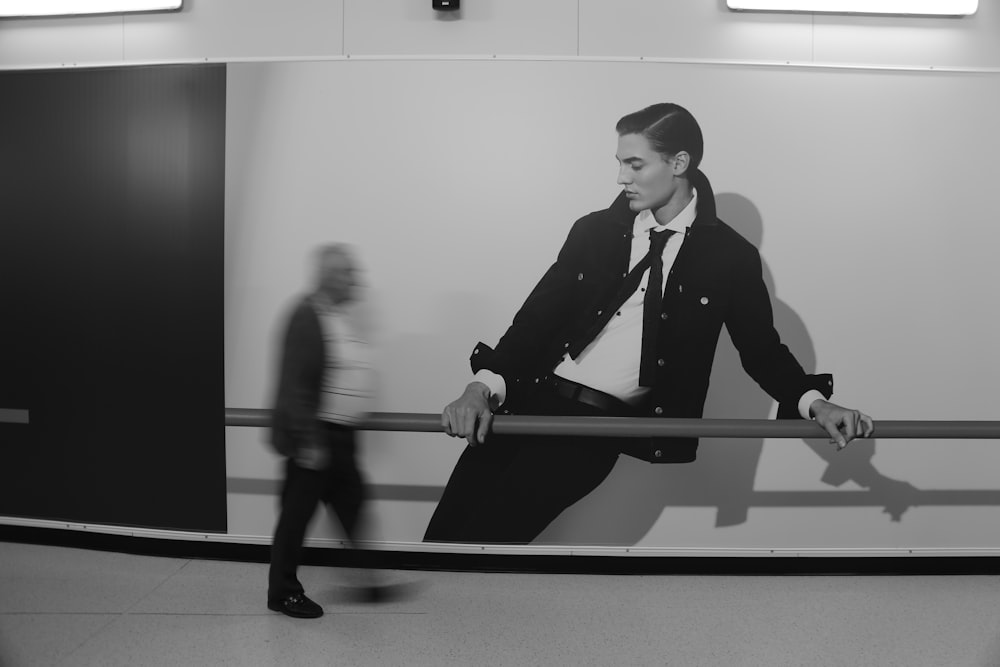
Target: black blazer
{"points": [[300, 378], [716, 280]]}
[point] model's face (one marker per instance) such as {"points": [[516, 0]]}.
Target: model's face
{"points": [[648, 179]]}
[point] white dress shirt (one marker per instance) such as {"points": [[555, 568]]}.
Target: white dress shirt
{"points": [[348, 381], [611, 362]]}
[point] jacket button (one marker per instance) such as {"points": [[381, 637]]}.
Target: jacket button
{"points": [[704, 300], [599, 313], [680, 288], [663, 316], [658, 410], [565, 344], [659, 362], [658, 453], [580, 277], [476, 351]]}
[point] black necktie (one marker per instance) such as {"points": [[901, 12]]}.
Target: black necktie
{"points": [[652, 304], [653, 260]]}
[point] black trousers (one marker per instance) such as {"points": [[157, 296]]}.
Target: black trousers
{"points": [[509, 488], [340, 486]]}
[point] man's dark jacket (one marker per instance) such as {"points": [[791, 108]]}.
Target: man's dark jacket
{"points": [[716, 279], [300, 380]]}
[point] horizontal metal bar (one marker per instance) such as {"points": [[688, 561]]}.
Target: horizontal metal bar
{"points": [[9, 416], [644, 427]]}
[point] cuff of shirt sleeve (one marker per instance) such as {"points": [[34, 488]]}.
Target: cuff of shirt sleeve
{"points": [[807, 400], [496, 383]]}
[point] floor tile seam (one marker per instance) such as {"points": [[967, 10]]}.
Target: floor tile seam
{"points": [[68, 659], [60, 613], [158, 586], [337, 612]]}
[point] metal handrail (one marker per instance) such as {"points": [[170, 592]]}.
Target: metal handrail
{"points": [[645, 427]]}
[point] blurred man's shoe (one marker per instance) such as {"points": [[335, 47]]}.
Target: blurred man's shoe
{"points": [[296, 606], [380, 593]]}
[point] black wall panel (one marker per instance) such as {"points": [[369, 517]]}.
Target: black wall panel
{"points": [[111, 295]]}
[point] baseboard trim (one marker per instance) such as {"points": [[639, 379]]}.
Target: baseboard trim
{"points": [[553, 560]]}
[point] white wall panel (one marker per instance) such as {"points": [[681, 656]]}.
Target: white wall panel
{"points": [[972, 41], [54, 42], [479, 27], [220, 29], [698, 30]]}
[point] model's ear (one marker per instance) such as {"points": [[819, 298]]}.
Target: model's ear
{"points": [[680, 163]]}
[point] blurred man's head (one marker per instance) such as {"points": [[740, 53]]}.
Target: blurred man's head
{"points": [[336, 273]]}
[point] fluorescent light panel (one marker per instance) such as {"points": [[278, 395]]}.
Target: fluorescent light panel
{"points": [[18, 8], [903, 7]]}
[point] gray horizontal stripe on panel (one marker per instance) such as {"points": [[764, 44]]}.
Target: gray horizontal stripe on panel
{"points": [[10, 416]]}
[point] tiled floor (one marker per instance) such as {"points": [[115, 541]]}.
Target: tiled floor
{"points": [[77, 608]]}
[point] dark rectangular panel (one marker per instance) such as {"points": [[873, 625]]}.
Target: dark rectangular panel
{"points": [[111, 287]]}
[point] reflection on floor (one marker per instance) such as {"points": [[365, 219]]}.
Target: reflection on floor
{"points": [[74, 607]]}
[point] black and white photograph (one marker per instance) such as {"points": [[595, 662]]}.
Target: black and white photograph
{"points": [[382, 332]]}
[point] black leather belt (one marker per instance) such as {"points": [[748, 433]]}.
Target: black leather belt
{"points": [[575, 391]]}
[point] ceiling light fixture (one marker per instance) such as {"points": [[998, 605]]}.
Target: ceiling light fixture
{"points": [[28, 8], [899, 7]]}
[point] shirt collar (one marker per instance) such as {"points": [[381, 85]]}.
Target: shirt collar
{"points": [[644, 221], [324, 305]]}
